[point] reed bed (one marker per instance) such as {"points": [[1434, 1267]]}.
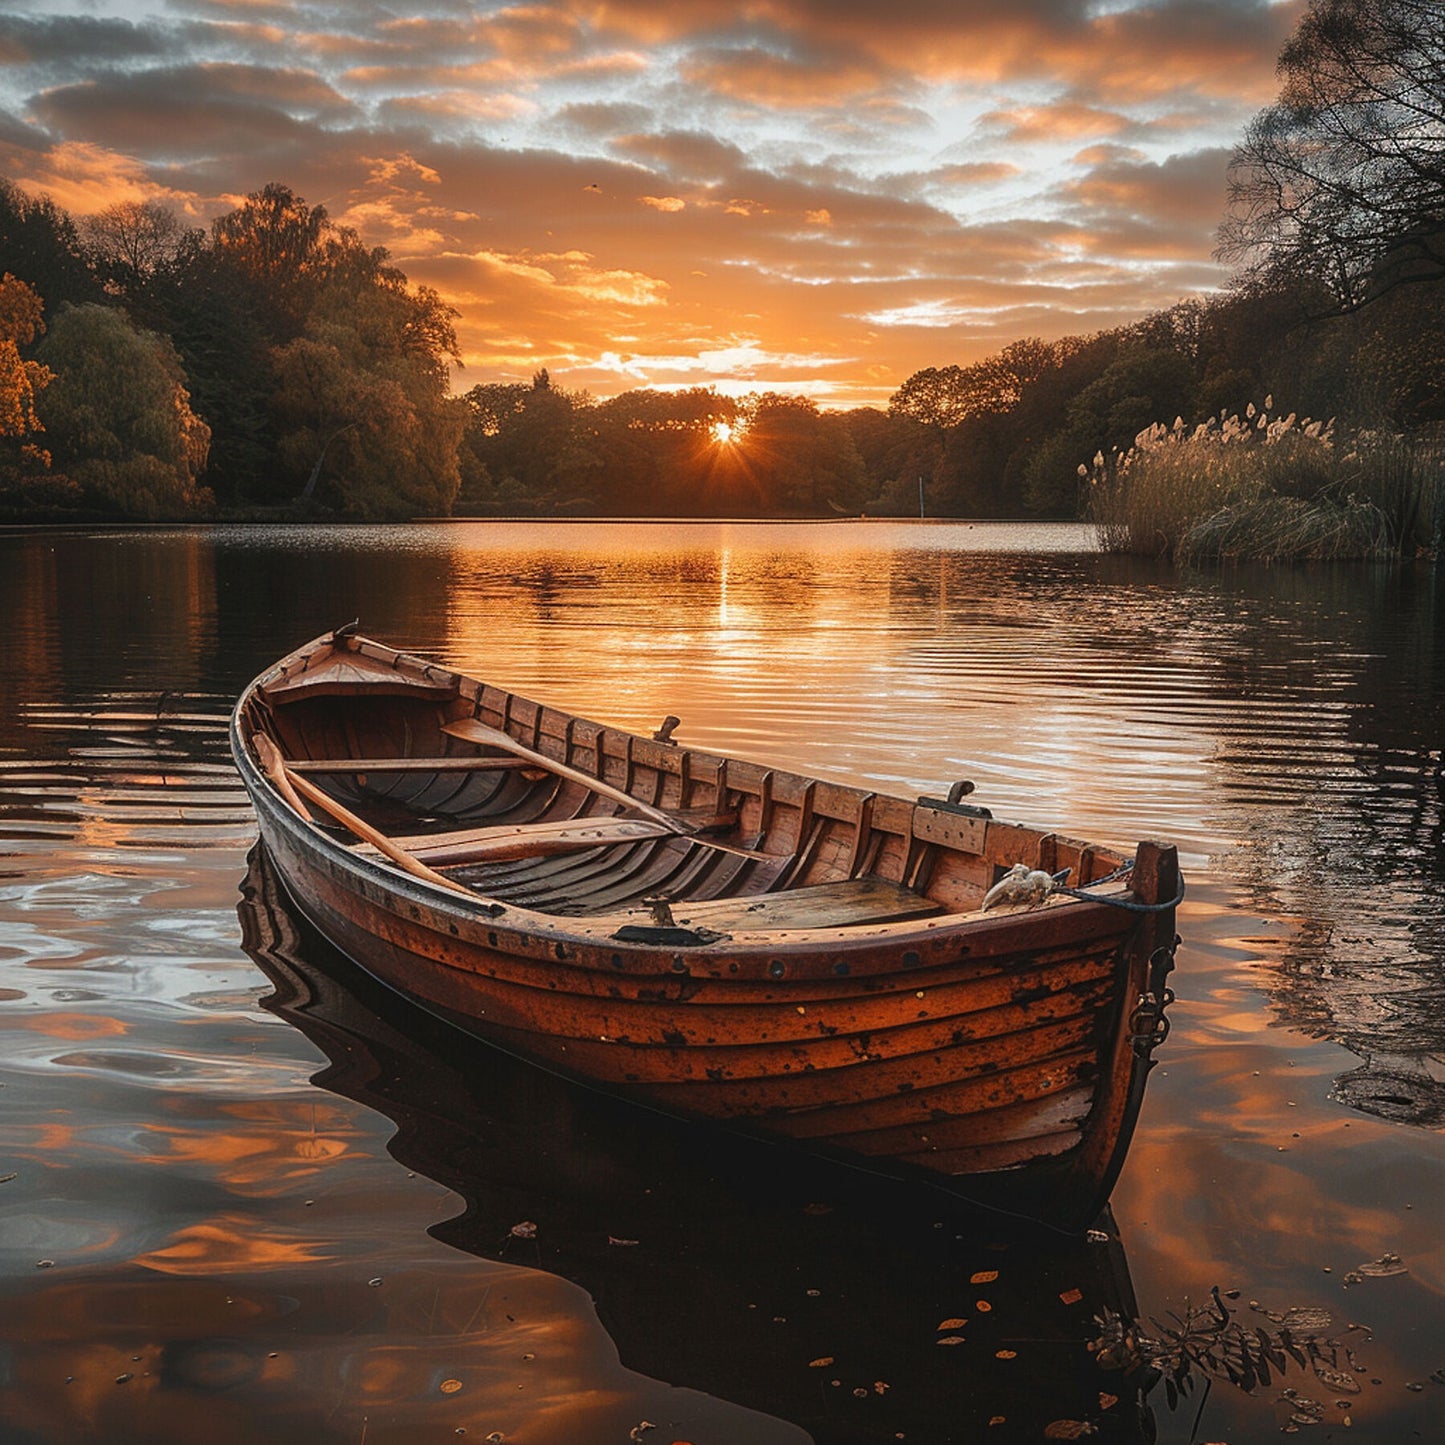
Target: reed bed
{"points": [[1256, 487]]}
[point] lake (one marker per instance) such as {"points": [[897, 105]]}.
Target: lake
{"points": [[246, 1196]]}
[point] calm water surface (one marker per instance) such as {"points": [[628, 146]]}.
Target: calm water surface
{"points": [[244, 1198]]}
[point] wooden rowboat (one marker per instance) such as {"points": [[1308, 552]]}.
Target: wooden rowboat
{"points": [[718, 939]]}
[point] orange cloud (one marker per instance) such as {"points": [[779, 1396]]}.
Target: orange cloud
{"points": [[859, 191]]}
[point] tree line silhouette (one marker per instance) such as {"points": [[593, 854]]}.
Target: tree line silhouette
{"points": [[275, 365]]}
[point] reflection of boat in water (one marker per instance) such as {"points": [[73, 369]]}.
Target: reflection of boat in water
{"points": [[756, 1274], [720, 940]]}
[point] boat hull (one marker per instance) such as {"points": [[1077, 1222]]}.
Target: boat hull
{"points": [[995, 1056]]}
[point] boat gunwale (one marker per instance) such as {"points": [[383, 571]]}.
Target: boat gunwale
{"points": [[573, 930]]}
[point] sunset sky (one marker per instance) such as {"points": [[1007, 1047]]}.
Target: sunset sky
{"points": [[816, 197]]}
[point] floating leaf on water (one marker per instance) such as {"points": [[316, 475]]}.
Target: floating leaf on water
{"points": [[1071, 1296], [525, 1230], [612, 1239], [982, 1306], [821, 1363], [881, 1387], [1340, 1380], [1382, 1268], [997, 1419], [1068, 1430], [450, 1387], [951, 1340], [1437, 1377], [1306, 1318], [1107, 1402], [984, 1276], [952, 1325], [1005, 1354]]}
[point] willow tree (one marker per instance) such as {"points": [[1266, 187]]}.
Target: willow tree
{"points": [[1342, 181], [362, 400], [118, 415]]}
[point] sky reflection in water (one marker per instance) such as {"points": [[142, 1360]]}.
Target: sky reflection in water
{"points": [[1283, 727]]}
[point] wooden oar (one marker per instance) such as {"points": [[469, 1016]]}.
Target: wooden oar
{"points": [[473, 731], [290, 784]]}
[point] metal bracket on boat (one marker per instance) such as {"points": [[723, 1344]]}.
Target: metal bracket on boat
{"points": [[954, 803], [664, 734], [1149, 1024]]}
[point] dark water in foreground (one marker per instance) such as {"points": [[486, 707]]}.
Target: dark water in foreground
{"points": [[243, 1198]]}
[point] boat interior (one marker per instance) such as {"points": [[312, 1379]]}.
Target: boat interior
{"points": [[491, 794]]}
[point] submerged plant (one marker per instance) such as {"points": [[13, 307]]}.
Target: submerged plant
{"points": [[1209, 1342]]}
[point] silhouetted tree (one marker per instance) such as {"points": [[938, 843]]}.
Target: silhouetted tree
{"points": [[40, 245], [1343, 179], [130, 243], [274, 241]]}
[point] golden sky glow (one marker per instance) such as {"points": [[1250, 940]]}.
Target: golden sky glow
{"points": [[813, 196]]}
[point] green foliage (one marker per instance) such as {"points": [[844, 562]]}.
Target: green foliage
{"points": [[118, 415], [361, 400], [659, 454]]}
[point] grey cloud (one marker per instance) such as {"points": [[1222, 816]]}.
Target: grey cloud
{"points": [[192, 110], [71, 40]]}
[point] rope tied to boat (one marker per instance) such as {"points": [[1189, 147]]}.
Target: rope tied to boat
{"points": [[1023, 885]]}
